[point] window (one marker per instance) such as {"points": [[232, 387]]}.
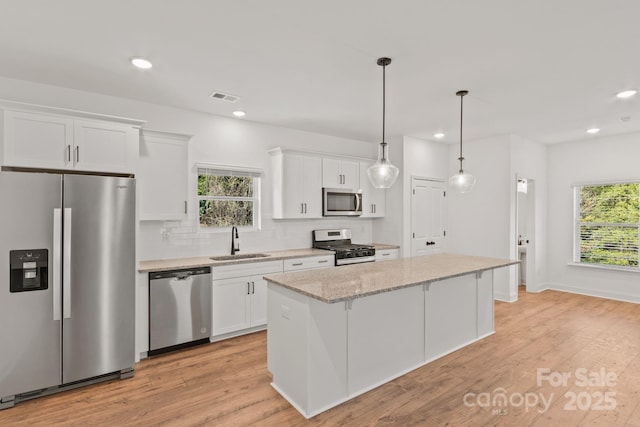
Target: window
{"points": [[228, 196], [607, 223]]}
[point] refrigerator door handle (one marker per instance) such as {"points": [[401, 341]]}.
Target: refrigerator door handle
{"points": [[66, 265], [57, 242]]}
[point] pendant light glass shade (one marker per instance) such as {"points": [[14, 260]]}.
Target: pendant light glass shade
{"points": [[382, 173], [462, 182]]}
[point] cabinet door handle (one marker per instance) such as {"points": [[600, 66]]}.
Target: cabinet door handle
{"points": [[248, 288], [185, 207], [77, 153], [253, 288], [305, 208], [295, 264], [301, 208], [387, 254], [323, 261], [68, 153], [375, 208]]}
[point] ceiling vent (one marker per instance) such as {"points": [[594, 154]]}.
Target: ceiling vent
{"points": [[224, 96]]}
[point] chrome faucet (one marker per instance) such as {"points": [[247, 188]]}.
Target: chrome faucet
{"points": [[235, 240]]}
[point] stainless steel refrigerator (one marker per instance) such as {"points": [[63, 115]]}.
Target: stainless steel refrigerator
{"points": [[67, 281]]}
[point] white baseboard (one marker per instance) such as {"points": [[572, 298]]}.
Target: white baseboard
{"points": [[593, 292], [504, 297]]}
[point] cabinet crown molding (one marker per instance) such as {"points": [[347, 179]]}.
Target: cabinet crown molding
{"points": [[64, 112], [165, 134], [279, 150]]}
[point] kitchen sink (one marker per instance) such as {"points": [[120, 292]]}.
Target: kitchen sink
{"points": [[238, 256]]}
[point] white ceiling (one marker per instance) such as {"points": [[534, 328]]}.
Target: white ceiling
{"points": [[542, 69]]}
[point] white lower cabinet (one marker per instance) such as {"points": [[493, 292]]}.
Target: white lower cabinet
{"points": [[387, 254], [385, 336], [240, 297]]}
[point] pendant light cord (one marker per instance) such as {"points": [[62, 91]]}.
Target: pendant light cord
{"points": [[384, 62], [384, 102], [461, 94]]}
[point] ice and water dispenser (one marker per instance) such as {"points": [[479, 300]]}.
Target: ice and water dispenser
{"points": [[29, 270]]}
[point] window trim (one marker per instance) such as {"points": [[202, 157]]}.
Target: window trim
{"points": [[227, 170], [576, 227]]}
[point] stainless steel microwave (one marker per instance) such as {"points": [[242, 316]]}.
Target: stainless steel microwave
{"points": [[341, 202]]}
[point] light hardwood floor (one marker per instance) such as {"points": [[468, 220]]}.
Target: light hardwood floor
{"points": [[227, 383]]}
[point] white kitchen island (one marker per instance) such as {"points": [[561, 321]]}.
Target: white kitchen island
{"points": [[335, 334]]}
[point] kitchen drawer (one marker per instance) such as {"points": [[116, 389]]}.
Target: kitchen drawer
{"points": [[386, 254], [296, 264], [246, 269]]}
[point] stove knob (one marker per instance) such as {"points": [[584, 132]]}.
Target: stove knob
{"points": [[348, 255]]}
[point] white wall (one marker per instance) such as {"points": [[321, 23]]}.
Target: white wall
{"points": [[479, 222], [483, 221], [216, 140], [593, 160]]}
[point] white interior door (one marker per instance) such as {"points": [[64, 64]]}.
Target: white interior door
{"points": [[427, 216]]}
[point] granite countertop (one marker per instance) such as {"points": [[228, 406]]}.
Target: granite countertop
{"points": [[203, 261], [359, 280], [180, 263]]}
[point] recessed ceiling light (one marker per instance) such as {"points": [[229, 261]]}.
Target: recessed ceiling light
{"points": [[593, 130], [626, 93], [142, 63], [239, 113], [438, 135]]}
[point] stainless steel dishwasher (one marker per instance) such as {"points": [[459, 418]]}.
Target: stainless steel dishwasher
{"points": [[179, 309]]}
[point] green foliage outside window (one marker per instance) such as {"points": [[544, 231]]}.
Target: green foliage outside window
{"points": [[608, 224], [225, 201]]}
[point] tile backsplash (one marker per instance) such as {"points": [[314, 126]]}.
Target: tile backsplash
{"points": [[173, 239]]}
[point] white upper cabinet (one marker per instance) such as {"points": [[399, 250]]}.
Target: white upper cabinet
{"points": [[37, 141], [162, 175], [88, 142], [340, 173], [104, 146], [297, 186], [373, 199]]}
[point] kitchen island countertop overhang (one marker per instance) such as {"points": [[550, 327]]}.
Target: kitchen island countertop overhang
{"points": [[360, 280]]}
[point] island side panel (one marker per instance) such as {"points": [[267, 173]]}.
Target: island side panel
{"points": [[307, 350], [485, 304], [386, 337], [287, 344], [450, 315], [327, 350]]}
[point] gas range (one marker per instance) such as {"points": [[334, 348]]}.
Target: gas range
{"points": [[339, 241]]}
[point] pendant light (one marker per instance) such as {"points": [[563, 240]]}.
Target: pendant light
{"points": [[462, 182], [382, 173]]}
